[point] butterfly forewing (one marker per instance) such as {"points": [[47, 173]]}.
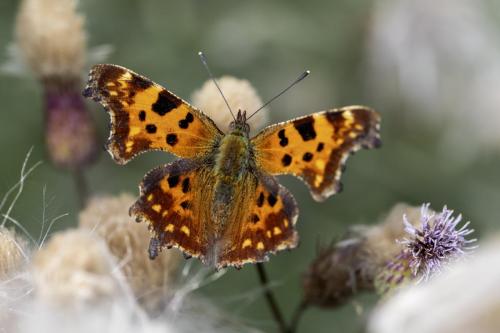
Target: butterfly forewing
{"points": [[315, 147], [146, 116]]}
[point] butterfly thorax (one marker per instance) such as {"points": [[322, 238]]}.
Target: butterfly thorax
{"points": [[232, 156]]}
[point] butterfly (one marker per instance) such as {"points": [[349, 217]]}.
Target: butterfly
{"points": [[221, 202]]}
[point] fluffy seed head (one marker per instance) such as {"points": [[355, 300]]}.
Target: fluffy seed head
{"points": [[150, 280], [13, 252], [74, 267], [240, 95], [50, 36]]}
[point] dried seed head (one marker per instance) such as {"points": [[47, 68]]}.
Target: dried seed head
{"points": [[240, 95], [150, 280], [51, 38], [74, 267], [380, 238], [336, 274], [352, 265]]}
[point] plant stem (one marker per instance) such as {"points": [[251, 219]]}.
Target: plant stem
{"points": [[81, 185], [271, 300], [297, 315]]}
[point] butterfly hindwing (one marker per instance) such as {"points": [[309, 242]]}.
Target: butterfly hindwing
{"points": [[265, 224], [316, 147], [170, 202], [146, 116]]}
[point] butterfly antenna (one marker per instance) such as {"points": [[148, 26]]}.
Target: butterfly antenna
{"points": [[204, 61], [300, 78]]}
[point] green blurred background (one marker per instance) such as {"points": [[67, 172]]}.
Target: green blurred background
{"points": [[270, 43]]}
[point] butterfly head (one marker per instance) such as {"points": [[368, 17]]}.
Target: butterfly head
{"points": [[240, 123]]}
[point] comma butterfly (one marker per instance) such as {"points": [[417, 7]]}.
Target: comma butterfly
{"points": [[220, 202]]}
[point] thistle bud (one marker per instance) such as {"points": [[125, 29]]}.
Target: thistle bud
{"points": [[70, 134]]}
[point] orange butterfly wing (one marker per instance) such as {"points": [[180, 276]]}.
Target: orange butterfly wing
{"points": [[177, 202], [174, 207], [262, 223], [316, 147], [146, 116]]}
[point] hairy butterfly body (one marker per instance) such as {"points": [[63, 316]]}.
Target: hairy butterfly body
{"points": [[220, 202]]}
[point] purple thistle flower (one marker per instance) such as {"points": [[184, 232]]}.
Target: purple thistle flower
{"points": [[435, 242]]}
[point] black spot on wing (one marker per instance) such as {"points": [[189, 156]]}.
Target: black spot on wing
{"points": [[185, 185], [139, 83], [260, 200], [305, 127], [320, 147], [283, 138], [142, 115], [271, 199], [286, 160], [184, 123], [151, 128], [307, 157], [173, 181], [165, 103], [172, 139], [255, 218]]}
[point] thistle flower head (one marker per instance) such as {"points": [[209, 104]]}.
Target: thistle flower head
{"points": [[428, 246], [435, 242]]}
